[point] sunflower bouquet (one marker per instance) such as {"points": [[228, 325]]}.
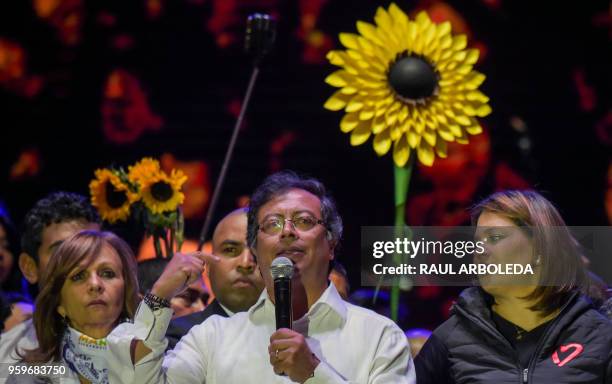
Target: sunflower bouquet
{"points": [[147, 194]]}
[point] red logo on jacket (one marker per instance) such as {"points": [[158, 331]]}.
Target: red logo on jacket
{"points": [[577, 349]]}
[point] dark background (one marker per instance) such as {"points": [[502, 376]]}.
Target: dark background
{"points": [[548, 75]]}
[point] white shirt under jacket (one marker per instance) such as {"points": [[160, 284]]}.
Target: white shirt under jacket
{"points": [[354, 345]]}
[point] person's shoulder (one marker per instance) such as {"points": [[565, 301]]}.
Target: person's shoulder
{"points": [[22, 336], [368, 316], [446, 329], [183, 324], [221, 323], [190, 320], [597, 321]]}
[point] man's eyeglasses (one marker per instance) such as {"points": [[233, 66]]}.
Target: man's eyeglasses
{"points": [[274, 225]]}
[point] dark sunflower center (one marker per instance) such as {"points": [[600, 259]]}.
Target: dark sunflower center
{"points": [[161, 191], [412, 77], [114, 197]]}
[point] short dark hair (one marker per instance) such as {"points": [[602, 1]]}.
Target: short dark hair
{"points": [[57, 207], [281, 182]]}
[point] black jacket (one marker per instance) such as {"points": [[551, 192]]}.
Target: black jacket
{"points": [[467, 348], [180, 326]]}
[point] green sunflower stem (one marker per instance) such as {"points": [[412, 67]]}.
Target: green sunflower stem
{"points": [[172, 231], [167, 243], [402, 182], [158, 249], [180, 229]]}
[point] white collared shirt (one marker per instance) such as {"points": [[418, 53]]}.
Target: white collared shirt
{"points": [[229, 313], [354, 345]]}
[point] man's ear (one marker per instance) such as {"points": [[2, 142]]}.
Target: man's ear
{"points": [[29, 268], [61, 311], [332, 244]]}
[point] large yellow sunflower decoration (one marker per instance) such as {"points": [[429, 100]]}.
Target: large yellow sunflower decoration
{"points": [[409, 83], [146, 193]]}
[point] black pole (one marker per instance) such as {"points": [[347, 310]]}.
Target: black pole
{"points": [[260, 36]]}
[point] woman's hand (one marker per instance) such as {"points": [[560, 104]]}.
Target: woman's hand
{"points": [[182, 270]]}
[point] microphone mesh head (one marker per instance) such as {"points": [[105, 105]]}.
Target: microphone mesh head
{"points": [[281, 268]]}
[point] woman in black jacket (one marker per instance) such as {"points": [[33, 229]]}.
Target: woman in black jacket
{"points": [[532, 328]]}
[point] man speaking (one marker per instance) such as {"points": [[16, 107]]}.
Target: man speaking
{"points": [[331, 341]]}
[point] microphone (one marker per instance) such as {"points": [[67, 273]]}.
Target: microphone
{"points": [[260, 36], [282, 272]]}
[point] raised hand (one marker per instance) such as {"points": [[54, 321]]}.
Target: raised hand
{"points": [[182, 270]]}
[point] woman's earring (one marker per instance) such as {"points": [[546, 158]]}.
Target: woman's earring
{"points": [[538, 260]]}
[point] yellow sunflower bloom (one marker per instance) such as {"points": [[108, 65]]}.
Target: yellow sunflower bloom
{"points": [[162, 193], [142, 170], [408, 83], [110, 196]]}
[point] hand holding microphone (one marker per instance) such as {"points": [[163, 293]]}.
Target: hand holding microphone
{"points": [[288, 350]]}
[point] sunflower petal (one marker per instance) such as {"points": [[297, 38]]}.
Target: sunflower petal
{"points": [[446, 135], [483, 110], [464, 69], [455, 129], [474, 129], [463, 120], [337, 101], [441, 149], [392, 113], [366, 114], [400, 18], [349, 122], [383, 20], [422, 20], [477, 96], [429, 34], [334, 58], [401, 151], [349, 40], [368, 31], [463, 138], [444, 29], [430, 137], [361, 133], [378, 124], [425, 153], [382, 142], [395, 131], [459, 42], [472, 56], [355, 104], [413, 138], [349, 90], [403, 114]]}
